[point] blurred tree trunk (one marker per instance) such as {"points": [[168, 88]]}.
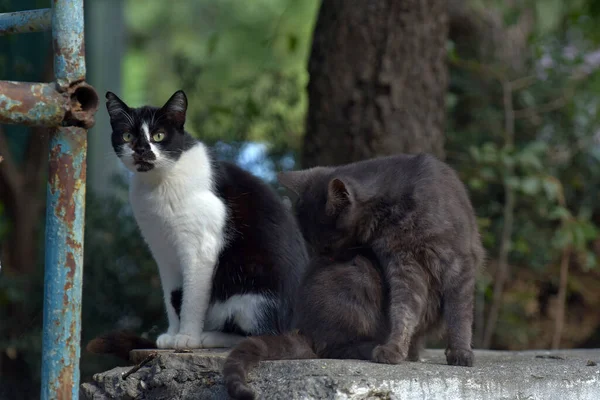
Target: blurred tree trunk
{"points": [[378, 80]]}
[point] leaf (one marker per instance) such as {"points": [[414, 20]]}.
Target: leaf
{"points": [[590, 232], [551, 188], [591, 261], [475, 153], [578, 236], [559, 212], [475, 183], [529, 159], [549, 14], [530, 185], [513, 182]]}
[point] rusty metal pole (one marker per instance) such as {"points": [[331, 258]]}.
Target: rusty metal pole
{"points": [[65, 216], [68, 104]]}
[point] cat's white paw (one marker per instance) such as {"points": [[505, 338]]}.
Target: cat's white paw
{"points": [[183, 341], [165, 341]]}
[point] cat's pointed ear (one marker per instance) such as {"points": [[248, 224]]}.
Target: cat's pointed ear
{"points": [[115, 106], [340, 194], [176, 107], [296, 181]]}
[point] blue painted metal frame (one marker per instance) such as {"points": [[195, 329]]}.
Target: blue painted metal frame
{"points": [[26, 21], [67, 104]]}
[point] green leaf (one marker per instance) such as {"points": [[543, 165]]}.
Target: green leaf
{"points": [[549, 14], [476, 183], [529, 159], [591, 261], [530, 185], [590, 232], [559, 212], [475, 153], [578, 236], [513, 182], [551, 188]]}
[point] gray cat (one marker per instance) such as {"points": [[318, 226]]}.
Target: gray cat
{"points": [[414, 216]]}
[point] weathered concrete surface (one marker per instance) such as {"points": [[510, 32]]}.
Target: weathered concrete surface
{"points": [[531, 375]]}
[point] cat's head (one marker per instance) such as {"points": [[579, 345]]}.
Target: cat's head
{"points": [[148, 138], [332, 209]]}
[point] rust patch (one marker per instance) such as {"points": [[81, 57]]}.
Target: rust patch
{"points": [[83, 105], [30, 104], [70, 268], [62, 178], [65, 383], [73, 244]]}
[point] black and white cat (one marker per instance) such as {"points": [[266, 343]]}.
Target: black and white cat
{"points": [[229, 253]]}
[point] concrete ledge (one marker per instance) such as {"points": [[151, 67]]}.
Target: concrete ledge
{"points": [[543, 375]]}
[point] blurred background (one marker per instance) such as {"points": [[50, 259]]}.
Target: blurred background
{"points": [[504, 91]]}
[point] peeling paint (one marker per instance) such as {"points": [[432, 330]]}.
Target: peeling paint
{"points": [[64, 261], [31, 104], [43, 104]]}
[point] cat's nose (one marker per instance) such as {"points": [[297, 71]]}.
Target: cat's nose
{"points": [[141, 146]]}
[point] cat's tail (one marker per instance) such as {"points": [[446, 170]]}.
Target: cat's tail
{"points": [[247, 354], [119, 343]]}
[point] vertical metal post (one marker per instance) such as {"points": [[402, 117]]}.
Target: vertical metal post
{"points": [[65, 216]]}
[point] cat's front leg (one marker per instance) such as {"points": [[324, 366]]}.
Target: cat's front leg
{"points": [[171, 280], [408, 294], [197, 271]]}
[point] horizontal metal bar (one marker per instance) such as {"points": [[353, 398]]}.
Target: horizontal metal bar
{"points": [[26, 21], [33, 104]]}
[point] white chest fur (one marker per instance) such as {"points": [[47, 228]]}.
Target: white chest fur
{"points": [[175, 207], [182, 221]]}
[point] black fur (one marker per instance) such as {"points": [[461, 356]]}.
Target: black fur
{"points": [[264, 252]]}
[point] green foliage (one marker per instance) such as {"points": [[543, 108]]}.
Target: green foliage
{"points": [[242, 65], [549, 157]]}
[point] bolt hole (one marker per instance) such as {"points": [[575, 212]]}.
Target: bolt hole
{"points": [[84, 98]]}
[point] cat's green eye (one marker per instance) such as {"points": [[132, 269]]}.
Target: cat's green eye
{"points": [[127, 137], [158, 136]]}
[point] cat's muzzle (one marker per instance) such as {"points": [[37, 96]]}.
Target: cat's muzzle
{"points": [[144, 162]]}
